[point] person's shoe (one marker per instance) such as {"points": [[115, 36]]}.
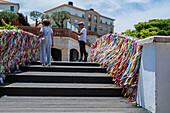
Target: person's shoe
{"points": [[43, 64], [84, 60], [80, 60], [48, 64]]}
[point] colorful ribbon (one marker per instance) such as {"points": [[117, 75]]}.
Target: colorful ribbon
{"points": [[121, 56], [17, 47]]}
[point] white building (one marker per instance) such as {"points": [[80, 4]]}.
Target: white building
{"points": [[5, 5]]}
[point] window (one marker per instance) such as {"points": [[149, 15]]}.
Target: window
{"points": [[106, 29], [68, 20], [89, 18], [105, 22], [76, 14], [75, 22], [95, 19], [12, 8], [95, 28], [101, 29], [111, 23], [83, 16], [111, 30], [89, 26], [100, 20]]}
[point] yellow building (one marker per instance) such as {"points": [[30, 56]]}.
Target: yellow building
{"points": [[93, 20]]}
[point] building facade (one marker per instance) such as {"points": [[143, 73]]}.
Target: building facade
{"points": [[4, 5], [92, 19], [21, 21]]}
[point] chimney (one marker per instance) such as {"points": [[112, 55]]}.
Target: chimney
{"points": [[70, 3], [91, 9]]}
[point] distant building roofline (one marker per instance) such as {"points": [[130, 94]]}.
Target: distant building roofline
{"points": [[2, 2], [77, 9], [63, 6]]}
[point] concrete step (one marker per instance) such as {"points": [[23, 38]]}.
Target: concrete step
{"points": [[59, 89], [24, 104], [52, 68], [58, 77], [66, 63]]}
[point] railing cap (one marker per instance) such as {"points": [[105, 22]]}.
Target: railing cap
{"points": [[154, 39]]}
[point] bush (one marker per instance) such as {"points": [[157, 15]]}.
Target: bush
{"points": [[8, 26], [8, 16], [153, 27], [162, 32], [168, 32], [54, 25]]}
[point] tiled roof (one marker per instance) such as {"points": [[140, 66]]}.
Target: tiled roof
{"points": [[5, 2]]}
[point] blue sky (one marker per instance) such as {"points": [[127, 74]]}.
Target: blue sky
{"points": [[126, 12]]}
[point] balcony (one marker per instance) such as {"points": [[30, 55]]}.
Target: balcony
{"points": [[56, 32]]}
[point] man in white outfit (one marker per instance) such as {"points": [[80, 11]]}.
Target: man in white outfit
{"points": [[82, 41]]}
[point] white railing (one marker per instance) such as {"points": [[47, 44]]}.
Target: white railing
{"points": [[71, 27]]}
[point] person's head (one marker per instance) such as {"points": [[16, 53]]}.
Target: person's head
{"points": [[81, 24], [45, 22]]}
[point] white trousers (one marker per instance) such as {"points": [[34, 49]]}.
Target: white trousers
{"points": [[45, 52]]}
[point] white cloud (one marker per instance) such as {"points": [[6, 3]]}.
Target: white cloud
{"points": [[36, 5], [126, 16], [138, 1], [101, 6], [127, 21]]}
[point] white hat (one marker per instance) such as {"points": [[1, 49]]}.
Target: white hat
{"points": [[81, 23]]}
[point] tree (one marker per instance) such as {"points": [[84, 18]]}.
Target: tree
{"points": [[44, 16], [163, 32], [150, 28], [8, 16], [35, 16], [54, 25], [59, 17]]}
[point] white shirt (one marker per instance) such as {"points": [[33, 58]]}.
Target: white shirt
{"points": [[83, 36], [45, 30]]}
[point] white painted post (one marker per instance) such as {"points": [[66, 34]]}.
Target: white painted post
{"points": [[154, 77]]}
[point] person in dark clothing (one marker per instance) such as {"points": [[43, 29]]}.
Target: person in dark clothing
{"points": [[82, 41]]}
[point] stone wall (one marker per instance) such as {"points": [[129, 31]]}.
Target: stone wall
{"points": [[65, 44]]}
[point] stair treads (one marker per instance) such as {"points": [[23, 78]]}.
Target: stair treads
{"points": [[68, 63], [62, 102], [61, 74], [53, 66], [60, 85], [87, 69]]}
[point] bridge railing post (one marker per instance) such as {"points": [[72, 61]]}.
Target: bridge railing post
{"points": [[154, 77]]}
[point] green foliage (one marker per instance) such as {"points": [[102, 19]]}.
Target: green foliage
{"points": [[59, 17], [8, 26], [162, 32], [38, 17], [168, 32], [44, 16], [77, 26], [35, 15], [150, 28], [54, 26], [8, 16]]}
